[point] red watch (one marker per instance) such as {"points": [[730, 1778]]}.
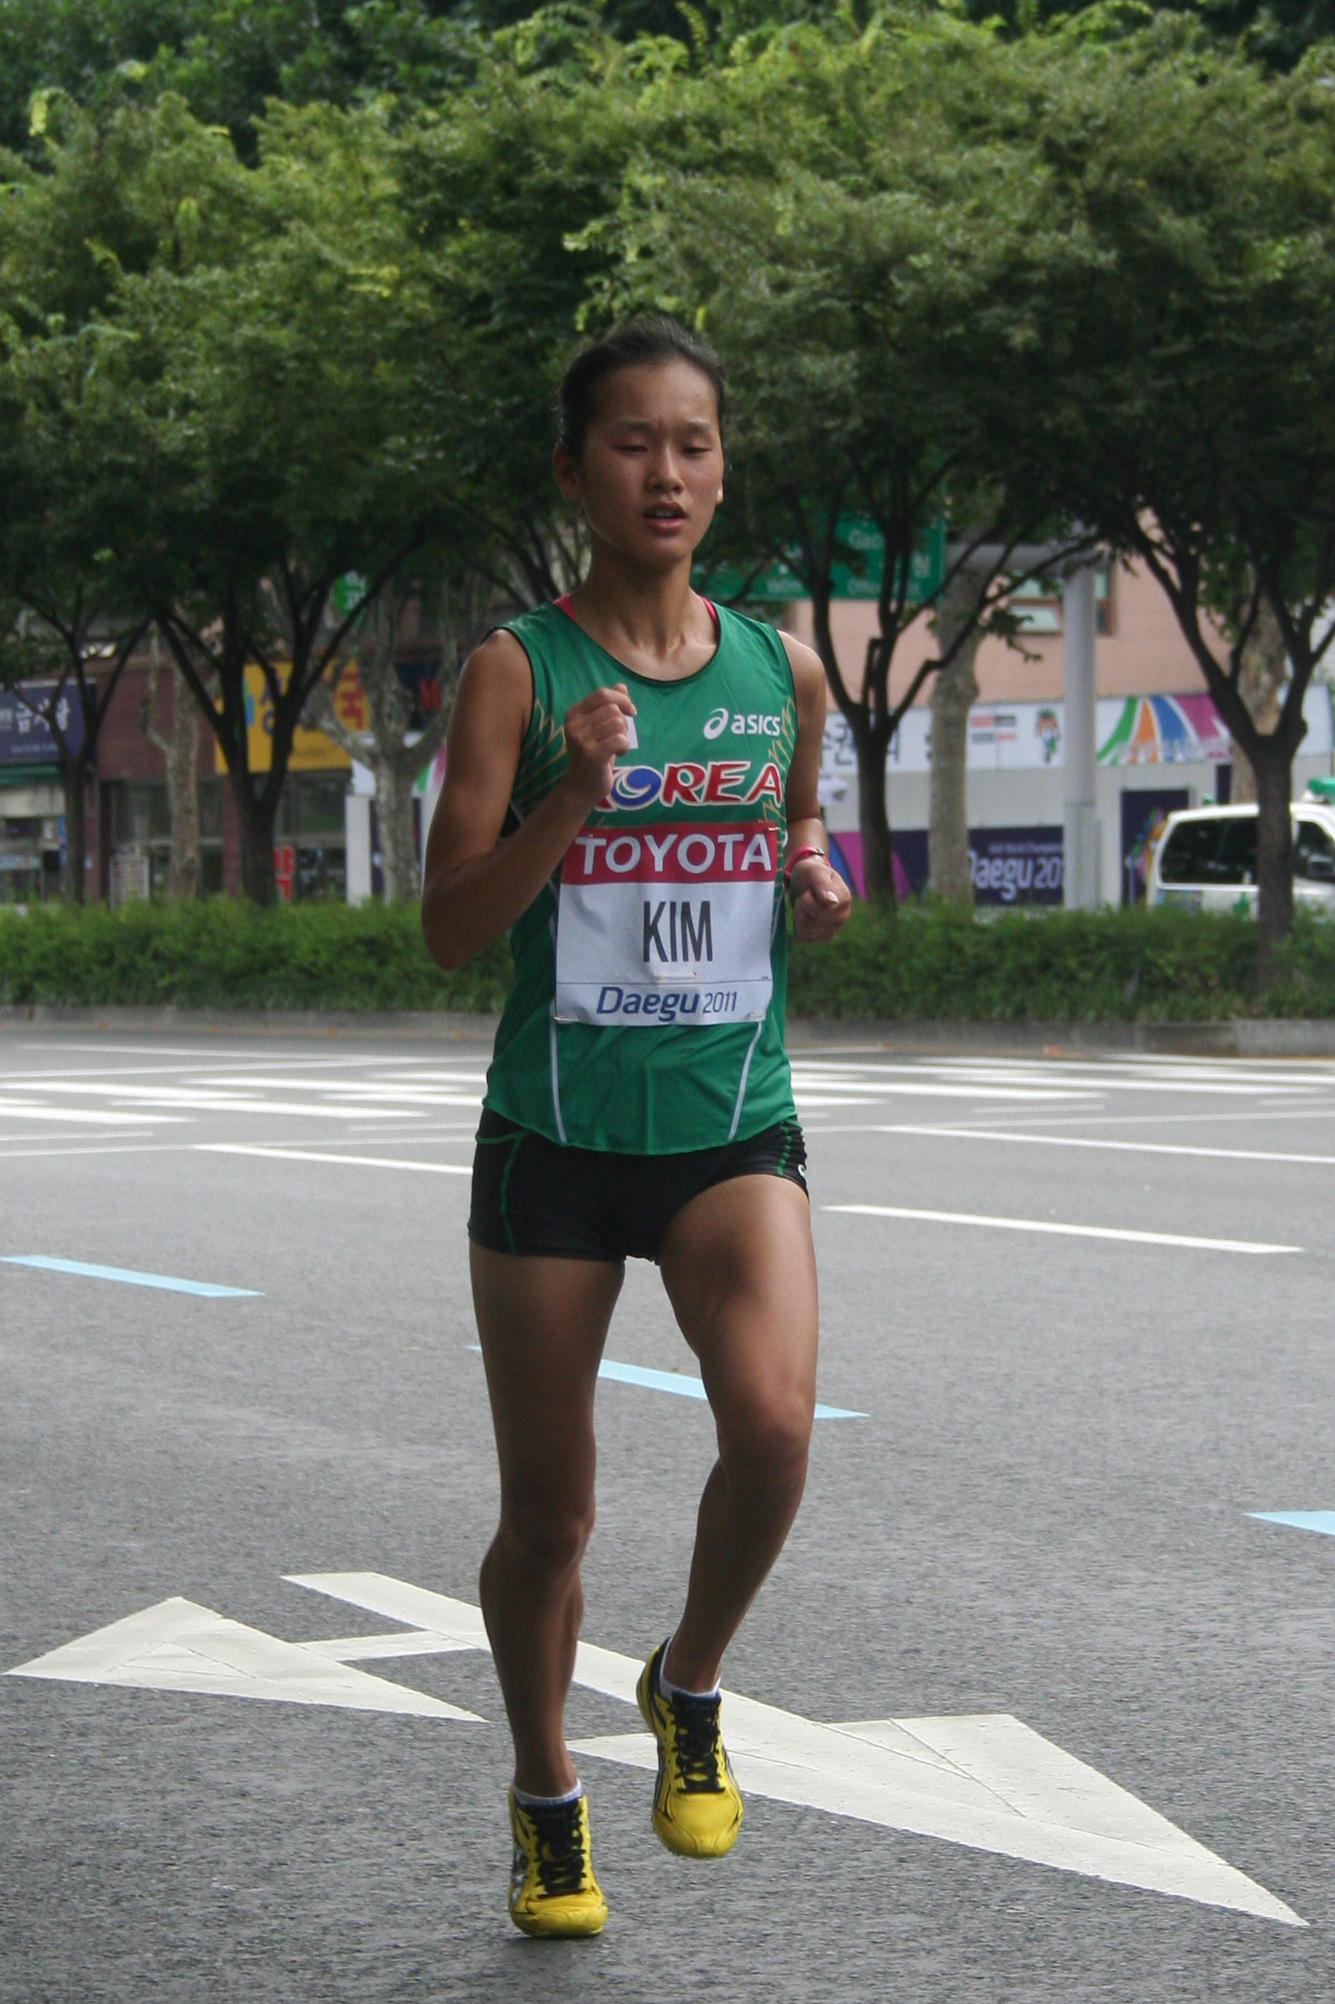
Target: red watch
{"points": [[800, 857]]}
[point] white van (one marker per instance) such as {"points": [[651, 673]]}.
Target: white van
{"points": [[1206, 859]]}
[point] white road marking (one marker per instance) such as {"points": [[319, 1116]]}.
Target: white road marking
{"points": [[14, 1109], [108, 1148], [179, 1646], [311, 1155], [1121, 1147], [1061, 1231], [824, 1089], [218, 1102], [985, 1782], [339, 1093]]}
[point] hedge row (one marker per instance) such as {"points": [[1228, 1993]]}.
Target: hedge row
{"points": [[926, 962], [940, 962], [224, 954]]}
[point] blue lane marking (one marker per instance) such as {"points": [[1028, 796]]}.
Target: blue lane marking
{"points": [[1300, 1520], [676, 1382], [205, 1287]]}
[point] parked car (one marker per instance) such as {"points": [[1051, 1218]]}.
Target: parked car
{"points": [[1207, 858]]}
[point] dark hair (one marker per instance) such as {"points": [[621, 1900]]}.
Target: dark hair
{"points": [[650, 337]]}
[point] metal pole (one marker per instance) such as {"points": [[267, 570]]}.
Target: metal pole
{"points": [[1080, 874]]}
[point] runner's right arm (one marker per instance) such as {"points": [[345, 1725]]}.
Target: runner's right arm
{"points": [[475, 886]]}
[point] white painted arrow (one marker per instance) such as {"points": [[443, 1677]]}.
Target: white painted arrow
{"points": [[179, 1646], [987, 1782]]}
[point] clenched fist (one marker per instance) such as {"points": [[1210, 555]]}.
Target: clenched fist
{"points": [[821, 900], [597, 729]]}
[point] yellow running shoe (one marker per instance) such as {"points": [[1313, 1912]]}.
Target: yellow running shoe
{"points": [[552, 1887], [697, 1804]]}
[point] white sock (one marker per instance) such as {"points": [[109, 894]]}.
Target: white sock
{"points": [[526, 1801], [677, 1690]]}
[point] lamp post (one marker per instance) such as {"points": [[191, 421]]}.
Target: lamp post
{"points": [[1080, 824]]}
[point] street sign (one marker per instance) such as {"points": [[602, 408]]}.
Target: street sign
{"points": [[346, 593], [856, 574]]}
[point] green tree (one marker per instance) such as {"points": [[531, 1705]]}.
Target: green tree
{"points": [[828, 212], [305, 371], [1195, 342], [226, 59], [75, 466], [69, 515]]}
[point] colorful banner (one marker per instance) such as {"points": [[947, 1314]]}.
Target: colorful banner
{"points": [[1144, 818], [1005, 737], [1165, 730], [1009, 866]]}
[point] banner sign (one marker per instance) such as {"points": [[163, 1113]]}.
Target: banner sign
{"points": [[312, 751], [1007, 737], [1144, 818], [1165, 730], [1010, 866], [1016, 866], [25, 736]]}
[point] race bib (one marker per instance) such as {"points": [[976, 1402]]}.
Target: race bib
{"points": [[669, 924]]}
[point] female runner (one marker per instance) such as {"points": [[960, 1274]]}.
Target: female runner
{"points": [[631, 783]]}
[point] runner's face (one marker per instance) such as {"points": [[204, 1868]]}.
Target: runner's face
{"points": [[651, 473]]}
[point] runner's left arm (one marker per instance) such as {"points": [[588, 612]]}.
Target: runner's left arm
{"points": [[821, 899]]}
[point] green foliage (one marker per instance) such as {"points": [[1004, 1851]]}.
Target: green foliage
{"points": [[226, 954], [227, 59], [930, 962], [937, 961]]}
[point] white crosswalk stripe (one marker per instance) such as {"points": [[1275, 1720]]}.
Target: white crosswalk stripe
{"points": [[296, 1089]]}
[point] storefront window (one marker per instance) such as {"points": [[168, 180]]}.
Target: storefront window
{"points": [[31, 839], [311, 825]]}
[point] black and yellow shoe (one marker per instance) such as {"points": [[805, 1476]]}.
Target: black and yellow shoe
{"points": [[697, 1804], [552, 1887]]}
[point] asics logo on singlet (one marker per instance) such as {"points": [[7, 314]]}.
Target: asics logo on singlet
{"points": [[754, 724]]}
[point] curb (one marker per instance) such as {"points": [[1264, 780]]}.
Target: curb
{"points": [[438, 1025], [1241, 1037]]}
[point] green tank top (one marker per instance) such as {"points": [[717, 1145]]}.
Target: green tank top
{"points": [[646, 1012]]}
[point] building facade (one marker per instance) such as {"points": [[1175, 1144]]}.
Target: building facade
{"points": [[1160, 744]]}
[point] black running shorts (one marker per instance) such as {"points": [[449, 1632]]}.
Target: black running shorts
{"points": [[530, 1196]]}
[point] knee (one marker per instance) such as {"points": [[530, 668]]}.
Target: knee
{"points": [[546, 1537], [766, 1446]]}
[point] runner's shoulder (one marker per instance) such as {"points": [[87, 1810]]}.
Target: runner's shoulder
{"points": [[497, 678], [808, 672]]}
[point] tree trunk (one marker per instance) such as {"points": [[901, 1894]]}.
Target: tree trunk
{"points": [[394, 811], [1265, 666], [878, 876], [180, 750], [953, 694], [257, 819], [1273, 767], [75, 782]]}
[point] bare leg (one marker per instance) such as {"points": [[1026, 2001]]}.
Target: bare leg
{"points": [[543, 1323], [740, 1272]]}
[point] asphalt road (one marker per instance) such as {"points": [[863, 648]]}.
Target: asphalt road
{"points": [[1044, 1513]]}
